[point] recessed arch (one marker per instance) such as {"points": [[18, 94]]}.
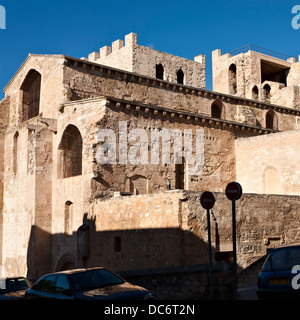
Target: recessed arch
{"points": [[159, 71], [70, 162], [31, 93], [217, 109], [232, 79], [180, 76], [271, 120], [271, 180], [66, 262], [267, 91], [255, 93]]}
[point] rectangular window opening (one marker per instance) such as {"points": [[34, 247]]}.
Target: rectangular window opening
{"points": [[117, 244]]}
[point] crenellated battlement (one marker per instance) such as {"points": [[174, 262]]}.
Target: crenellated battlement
{"points": [[128, 55], [130, 40]]}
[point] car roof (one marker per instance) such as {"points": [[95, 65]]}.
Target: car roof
{"points": [[295, 244], [72, 271]]}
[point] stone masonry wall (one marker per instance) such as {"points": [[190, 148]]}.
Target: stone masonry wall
{"points": [[143, 60], [263, 221], [170, 228], [269, 164], [184, 283], [248, 74], [83, 80]]}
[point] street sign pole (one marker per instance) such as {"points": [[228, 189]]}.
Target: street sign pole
{"points": [[235, 279], [207, 201], [234, 192], [211, 290]]}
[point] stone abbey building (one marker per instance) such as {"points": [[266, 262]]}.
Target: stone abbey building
{"points": [[60, 208]]}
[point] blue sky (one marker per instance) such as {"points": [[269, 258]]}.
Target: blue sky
{"points": [[184, 28]]}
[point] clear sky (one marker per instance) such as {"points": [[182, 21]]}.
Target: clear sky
{"points": [[184, 28]]}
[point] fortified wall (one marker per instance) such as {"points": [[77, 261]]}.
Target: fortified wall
{"points": [[149, 62], [259, 74], [62, 209], [170, 229]]}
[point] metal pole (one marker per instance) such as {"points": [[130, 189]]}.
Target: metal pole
{"points": [[210, 258], [235, 280]]}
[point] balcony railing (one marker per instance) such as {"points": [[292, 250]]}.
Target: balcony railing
{"points": [[253, 47]]}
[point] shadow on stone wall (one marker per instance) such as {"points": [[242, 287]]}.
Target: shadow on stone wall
{"points": [[170, 262]]}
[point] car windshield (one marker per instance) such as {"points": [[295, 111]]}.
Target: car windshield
{"points": [[93, 279], [283, 259]]}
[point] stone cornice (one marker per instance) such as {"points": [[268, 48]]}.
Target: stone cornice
{"points": [[154, 82], [172, 114]]}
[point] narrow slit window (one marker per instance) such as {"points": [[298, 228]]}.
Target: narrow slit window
{"points": [[180, 76], [159, 71], [117, 244]]}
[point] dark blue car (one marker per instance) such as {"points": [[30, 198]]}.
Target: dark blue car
{"points": [[279, 276], [85, 284]]}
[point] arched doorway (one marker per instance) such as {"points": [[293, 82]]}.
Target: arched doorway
{"points": [[217, 109], [67, 262], [271, 120]]}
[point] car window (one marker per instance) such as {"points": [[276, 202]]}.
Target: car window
{"points": [[283, 259], [62, 284], [93, 279], [47, 284]]}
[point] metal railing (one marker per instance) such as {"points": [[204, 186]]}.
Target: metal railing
{"points": [[253, 47]]}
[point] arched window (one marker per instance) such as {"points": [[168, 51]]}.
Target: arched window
{"points": [[271, 120], [180, 76], [15, 153], [31, 90], [255, 93], [232, 79], [267, 92], [71, 152], [159, 71], [217, 109]]}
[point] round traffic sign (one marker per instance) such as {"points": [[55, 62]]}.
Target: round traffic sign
{"points": [[207, 200], [234, 191]]}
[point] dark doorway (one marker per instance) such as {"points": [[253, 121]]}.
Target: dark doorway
{"points": [[180, 174]]}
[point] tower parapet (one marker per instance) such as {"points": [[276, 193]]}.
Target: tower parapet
{"points": [[257, 73], [129, 55]]}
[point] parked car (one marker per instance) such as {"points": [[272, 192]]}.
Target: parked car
{"points": [[86, 284], [14, 288], [275, 278]]}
